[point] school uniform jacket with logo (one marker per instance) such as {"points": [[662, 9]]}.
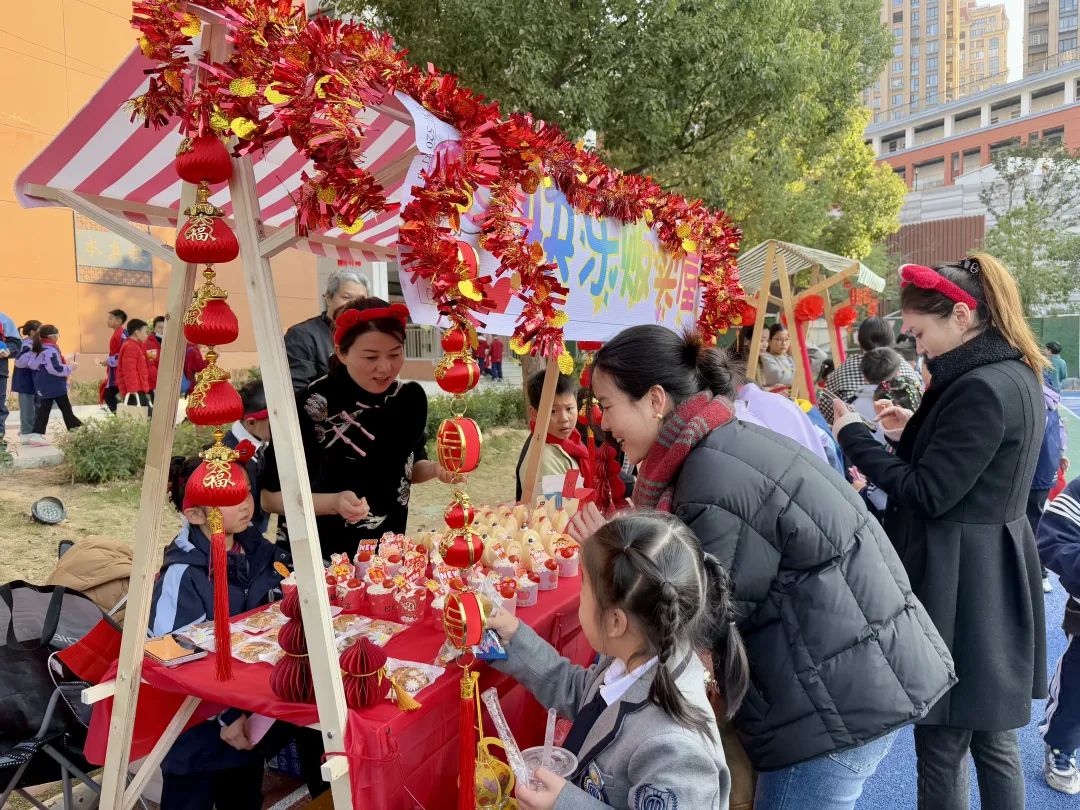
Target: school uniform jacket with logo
{"points": [[635, 756]]}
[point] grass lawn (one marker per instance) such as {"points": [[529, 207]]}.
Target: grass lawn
{"points": [[28, 548]]}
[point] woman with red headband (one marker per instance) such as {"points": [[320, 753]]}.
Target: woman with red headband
{"points": [[957, 489], [364, 432]]}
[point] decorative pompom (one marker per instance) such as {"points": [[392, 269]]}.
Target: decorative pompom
{"points": [[810, 308], [845, 316]]}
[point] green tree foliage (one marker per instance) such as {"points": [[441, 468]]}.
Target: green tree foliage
{"points": [[751, 106], [1035, 200]]}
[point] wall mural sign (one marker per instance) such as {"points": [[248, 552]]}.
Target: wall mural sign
{"points": [[102, 257]]}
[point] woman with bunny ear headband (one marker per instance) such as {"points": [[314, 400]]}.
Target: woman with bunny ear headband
{"points": [[957, 490]]}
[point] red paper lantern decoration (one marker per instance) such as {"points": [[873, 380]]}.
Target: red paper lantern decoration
{"points": [[203, 157], [213, 400], [462, 549], [845, 316], [205, 238], [747, 313], [209, 320], [291, 638], [810, 308], [455, 340], [290, 605], [457, 373], [457, 445], [291, 678], [363, 674]]}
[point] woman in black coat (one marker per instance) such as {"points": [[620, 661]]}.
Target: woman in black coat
{"points": [[958, 486], [841, 652]]}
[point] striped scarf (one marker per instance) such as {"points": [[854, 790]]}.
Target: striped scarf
{"points": [[682, 431]]}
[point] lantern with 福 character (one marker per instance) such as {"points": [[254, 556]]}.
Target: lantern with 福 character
{"points": [[205, 238]]}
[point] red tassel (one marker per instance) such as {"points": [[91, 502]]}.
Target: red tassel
{"points": [[467, 742], [219, 567]]}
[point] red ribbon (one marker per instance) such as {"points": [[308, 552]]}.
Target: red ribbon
{"points": [[257, 415], [351, 317], [927, 278]]}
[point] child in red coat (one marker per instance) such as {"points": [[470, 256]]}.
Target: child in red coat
{"points": [[132, 369]]}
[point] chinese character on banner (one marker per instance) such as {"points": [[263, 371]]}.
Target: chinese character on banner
{"points": [[603, 273], [665, 284], [559, 241]]}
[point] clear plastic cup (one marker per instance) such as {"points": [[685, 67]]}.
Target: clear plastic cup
{"points": [[563, 762]]}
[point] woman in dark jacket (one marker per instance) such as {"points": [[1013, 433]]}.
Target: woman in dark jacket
{"points": [[958, 487], [841, 652]]}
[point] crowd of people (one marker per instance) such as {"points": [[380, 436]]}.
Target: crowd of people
{"points": [[773, 589]]}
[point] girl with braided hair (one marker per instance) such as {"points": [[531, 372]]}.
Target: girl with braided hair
{"points": [[643, 732]]}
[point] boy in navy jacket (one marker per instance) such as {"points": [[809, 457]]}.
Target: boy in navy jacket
{"points": [[1059, 549], [214, 763]]}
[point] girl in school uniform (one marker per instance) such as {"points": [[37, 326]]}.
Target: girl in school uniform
{"points": [[22, 381], [51, 373], [644, 731]]}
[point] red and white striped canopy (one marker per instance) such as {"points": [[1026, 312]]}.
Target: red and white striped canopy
{"points": [[127, 169]]}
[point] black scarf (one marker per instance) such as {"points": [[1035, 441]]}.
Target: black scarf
{"points": [[985, 348]]}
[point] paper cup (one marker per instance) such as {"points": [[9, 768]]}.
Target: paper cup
{"points": [[383, 605], [568, 566]]}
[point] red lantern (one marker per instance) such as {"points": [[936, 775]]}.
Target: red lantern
{"points": [[209, 320], [291, 638], [462, 549], [203, 157], [205, 238], [457, 373], [457, 445], [363, 674], [747, 312], [213, 400], [463, 619], [458, 515]]}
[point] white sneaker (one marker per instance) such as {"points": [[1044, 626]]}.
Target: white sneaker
{"points": [[1047, 586], [1059, 770], [37, 440], [24, 438]]}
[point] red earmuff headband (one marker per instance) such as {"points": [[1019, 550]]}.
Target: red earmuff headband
{"points": [[927, 278], [350, 318]]}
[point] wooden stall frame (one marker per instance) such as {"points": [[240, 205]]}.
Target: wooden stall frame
{"points": [[299, 509], [540, 431]]}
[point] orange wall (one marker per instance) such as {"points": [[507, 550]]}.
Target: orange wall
{"points": [[54, 54]]}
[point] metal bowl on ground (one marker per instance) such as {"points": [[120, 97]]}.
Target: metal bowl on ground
{"points": [[48, 510]]}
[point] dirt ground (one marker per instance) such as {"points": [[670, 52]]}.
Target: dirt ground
{"points": [[28, 548]]}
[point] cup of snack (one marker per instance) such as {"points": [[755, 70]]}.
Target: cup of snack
{"points": [[381, 601], [331, 588], [549, 575], [438, 605], [508, 593], [393, 564], [528, 588], [411, 603], [568, 560], [351, 595]]}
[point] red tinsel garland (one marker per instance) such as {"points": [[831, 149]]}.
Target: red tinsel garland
{"points": [[290, 77]]}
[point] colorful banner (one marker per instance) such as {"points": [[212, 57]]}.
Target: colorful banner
{"points": [[618, 275]]}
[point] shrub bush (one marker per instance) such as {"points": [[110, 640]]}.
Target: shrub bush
{"points": [[491, 408], [112, 449], [84, 392]]}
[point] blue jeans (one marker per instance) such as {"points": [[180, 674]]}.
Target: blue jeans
{"points": [[27, 413], [829, 782]]}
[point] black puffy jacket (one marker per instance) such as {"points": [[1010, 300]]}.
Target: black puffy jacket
{"points": [[309, 345], [841, 651]]}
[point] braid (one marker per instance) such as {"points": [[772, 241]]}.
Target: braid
{"points": [[731, 666]]}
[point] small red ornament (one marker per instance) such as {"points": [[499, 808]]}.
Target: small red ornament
{"points": [[205, 238], [463, 619], [748, 313], [291, 638], [455, 340], [462, 549], [457, 445], [457, 373], [291, 680], [210, 321], [213, 400], [203, 157], [458, 515], [290, 605], [363, 674]]}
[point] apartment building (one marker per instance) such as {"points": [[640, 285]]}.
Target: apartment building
{"points": [[1050, 35], [934, 55]]}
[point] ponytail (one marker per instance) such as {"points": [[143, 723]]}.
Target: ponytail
{"points": [[731, 666], [1006, 310], [641, 357], [45, 331], [994, 289]]}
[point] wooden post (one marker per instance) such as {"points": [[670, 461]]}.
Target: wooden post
{"points": [[295, 485], [798, 380], [762, 307], [834, 339], [540, 431]]}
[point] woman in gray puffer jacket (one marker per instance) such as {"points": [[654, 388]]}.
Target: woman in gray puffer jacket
{"points": [[842, 654]]}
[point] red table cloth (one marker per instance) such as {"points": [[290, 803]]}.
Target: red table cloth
{"points": [[396, 759]]}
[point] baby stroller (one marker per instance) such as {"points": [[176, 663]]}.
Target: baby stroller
{"points": [[54, 642]]}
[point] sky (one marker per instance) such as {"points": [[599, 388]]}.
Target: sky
{"points": [[1015, 10]]}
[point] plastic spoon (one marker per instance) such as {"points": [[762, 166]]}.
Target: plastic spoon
{"points": [[549, 740], [502, 728]]}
